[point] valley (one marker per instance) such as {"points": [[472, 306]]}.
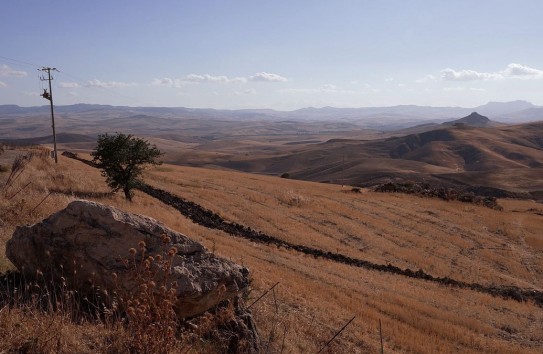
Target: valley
{"points": [[321, 145], [441, 276]]}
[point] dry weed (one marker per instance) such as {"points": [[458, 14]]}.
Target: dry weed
{"points": [[292, 199], [47, 316], [151, 319]]}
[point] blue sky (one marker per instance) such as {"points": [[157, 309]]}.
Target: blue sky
{"points": [[273, 54]]}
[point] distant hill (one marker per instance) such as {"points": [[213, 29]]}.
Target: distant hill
{"points": [[495, 109], [381, 118], [527, 115], [473, 120], [342, 145], [509, 158], [62, 138]]}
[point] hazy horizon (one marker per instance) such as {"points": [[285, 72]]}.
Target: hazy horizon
{"points": [[281, 55], [46, 105]]}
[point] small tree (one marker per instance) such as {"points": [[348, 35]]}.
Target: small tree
{"points": [[121, 158]]}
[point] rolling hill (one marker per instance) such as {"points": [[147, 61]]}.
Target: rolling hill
{"points": [[461, 154], [316, 296], [323, 145]]}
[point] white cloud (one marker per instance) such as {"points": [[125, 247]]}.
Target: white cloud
{"points": [[467, 75], [31, 93], [206, 78], [3, 84], [267, 77], [427, 78], [217, 79], [239, 79], [328, 88], [512, 71], [166, 81], [454, 89], [246, 92], [300, 90], [521, 71], [389, 79], [7, 71], [197, 78], [68, 85], [109, 84], [461, 88]]}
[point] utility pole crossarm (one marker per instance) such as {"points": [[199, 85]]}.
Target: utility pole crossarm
{"points": [[49, 96]]}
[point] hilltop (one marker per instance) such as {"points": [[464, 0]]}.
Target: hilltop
{"points": [[473, 120]]}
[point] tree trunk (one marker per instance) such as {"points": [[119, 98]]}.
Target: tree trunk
{"points": [[128, 193]]}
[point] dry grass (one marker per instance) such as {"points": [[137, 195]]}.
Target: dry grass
{"points": [[316, 297], [465, 242], [34, 318], [459, 240]]}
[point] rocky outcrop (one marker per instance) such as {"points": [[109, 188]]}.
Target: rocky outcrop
{"points": [[89, 245], [445, 193]]}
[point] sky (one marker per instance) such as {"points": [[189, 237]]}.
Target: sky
{"points": [[284, 55]]}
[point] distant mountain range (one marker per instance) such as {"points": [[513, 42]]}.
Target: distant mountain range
{"points": [[380, 118], [358, 146]]}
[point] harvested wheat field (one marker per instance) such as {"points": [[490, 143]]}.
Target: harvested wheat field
{"points": [[315, 297]]}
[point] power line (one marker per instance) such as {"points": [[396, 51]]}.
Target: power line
{"points": [[21, 62], [85, 83], [81, 81]]}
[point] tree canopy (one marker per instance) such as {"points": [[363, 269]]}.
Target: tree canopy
{"points": [[122, 158]]}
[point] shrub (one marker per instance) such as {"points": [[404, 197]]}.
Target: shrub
{"points": [[121, 158], [292, 198]]}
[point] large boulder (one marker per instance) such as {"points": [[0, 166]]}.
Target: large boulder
{"points": [[88, 245]]}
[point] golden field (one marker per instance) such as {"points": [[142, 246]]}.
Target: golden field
{"points": [[316, 297]]}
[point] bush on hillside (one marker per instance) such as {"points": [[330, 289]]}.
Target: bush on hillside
{"points": [[121, 158]]}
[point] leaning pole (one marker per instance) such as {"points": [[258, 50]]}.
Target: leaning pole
{"points": [[49, 96]]}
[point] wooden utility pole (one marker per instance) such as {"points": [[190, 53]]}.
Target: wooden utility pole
{"points": [[49, 96]]}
